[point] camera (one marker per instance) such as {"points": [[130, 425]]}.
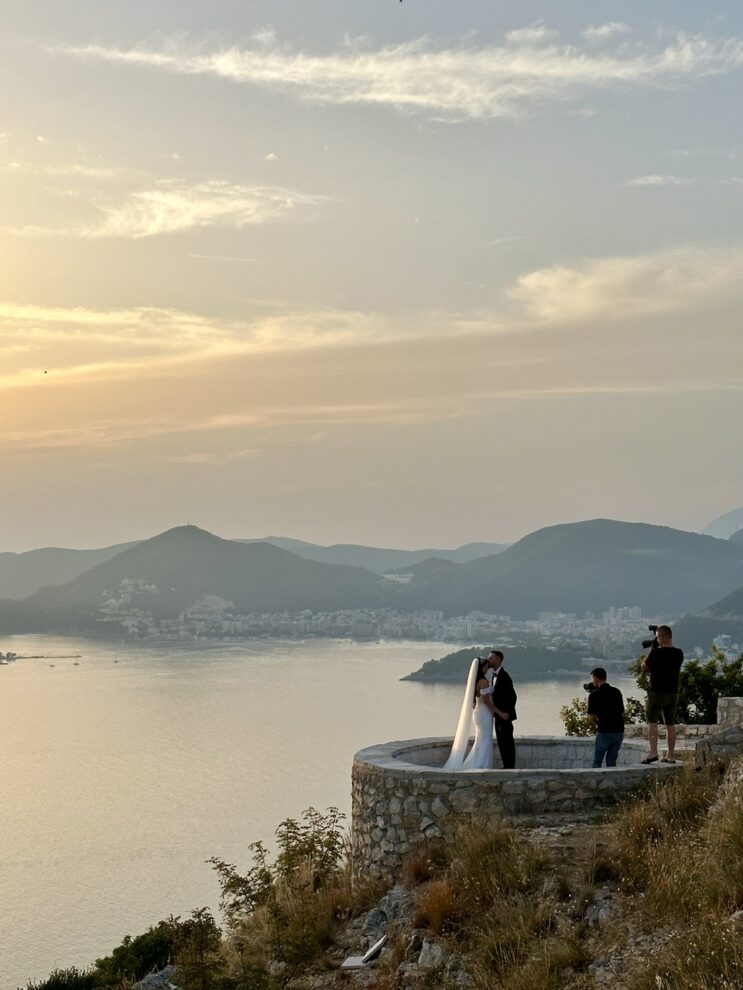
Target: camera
{"points": [[647, 643], [590, 686]]}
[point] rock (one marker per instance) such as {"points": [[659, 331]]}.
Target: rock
{"points": [[162, 980], [396, 904], [439, 808], [432, 954], [414, 946], [375, 924], [456, 976]]}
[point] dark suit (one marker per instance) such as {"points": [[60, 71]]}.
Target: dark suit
{"points": [[504, 699]]}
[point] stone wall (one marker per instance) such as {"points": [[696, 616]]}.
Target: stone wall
{"points": [[402, 796], [729, 712]]}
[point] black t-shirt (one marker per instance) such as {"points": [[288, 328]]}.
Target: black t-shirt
{"points": [[664, 664], [607, 704]]}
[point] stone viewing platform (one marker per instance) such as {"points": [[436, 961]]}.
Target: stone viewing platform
{"points": [[401, 794]]}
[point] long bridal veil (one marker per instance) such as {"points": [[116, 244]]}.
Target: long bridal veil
{"points": [[464, 726]]}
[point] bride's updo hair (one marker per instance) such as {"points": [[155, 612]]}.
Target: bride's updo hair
{"points": [[482, 667]]}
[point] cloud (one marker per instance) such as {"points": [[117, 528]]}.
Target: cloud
{"points": [[621, 287], [535, 35], [214, 457], [604, 31], [60, 346], [659, 180], [172, 207], [454, 84]]}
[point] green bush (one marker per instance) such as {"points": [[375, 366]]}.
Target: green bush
{"points": [[136, 957], [282, 915], [575, 716], [66, 979], [701, 684]]}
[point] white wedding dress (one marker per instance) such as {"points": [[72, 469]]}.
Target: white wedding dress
{"points": [[480, 757]]}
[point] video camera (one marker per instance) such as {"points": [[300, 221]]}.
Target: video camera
{"points": [[647, 643]]}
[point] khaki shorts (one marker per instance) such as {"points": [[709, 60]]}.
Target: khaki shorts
{"points": [[661, 708]]}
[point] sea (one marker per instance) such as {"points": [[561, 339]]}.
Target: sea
{"points": [[125, 767]]}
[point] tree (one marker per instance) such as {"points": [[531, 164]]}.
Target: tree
{"points": [[701, 684], [575, 716]]}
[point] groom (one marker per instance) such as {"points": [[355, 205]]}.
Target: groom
{"points": [[504, 702]]}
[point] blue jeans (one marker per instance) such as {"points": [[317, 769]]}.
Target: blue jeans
{"points": [[608, 743]]}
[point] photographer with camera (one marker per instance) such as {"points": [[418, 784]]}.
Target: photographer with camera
{"points": [[663, 664], [606, 715]]}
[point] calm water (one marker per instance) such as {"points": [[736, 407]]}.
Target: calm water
{"points": [[121, 776]]}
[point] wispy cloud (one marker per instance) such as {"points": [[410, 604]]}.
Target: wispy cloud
{"points": [[214, 457], [659, 180], [602, 32], [680, 181], [462, 83], [172, 206], [621, 287]]}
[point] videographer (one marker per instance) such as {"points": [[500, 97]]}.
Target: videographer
{"points": [[663, 663], [606, 715]]}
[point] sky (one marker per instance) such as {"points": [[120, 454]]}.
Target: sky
{"points": [[405, 274]]}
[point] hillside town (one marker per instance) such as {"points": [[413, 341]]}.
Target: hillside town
{"points": [[608, 633]]}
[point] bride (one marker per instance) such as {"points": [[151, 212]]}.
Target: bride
{"points": [[478, 707]]}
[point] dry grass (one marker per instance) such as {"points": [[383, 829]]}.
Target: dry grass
{"points": [[497, 898], [705, 957], [666, 846], [438, 906], [423, 863], [297, 924]]}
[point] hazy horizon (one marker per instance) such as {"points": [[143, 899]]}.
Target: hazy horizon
{"points": [[401, 275]]}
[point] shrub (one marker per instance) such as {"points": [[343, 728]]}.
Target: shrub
{"points": [[197, 946], [701, 685], [575, 716], [281, 915], [136, 957], [66, 979]]}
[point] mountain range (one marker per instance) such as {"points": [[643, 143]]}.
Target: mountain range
{"points": [[172, 571], [22, 574], [380, 559], [724, 526], [576, 567], [585, 566]]}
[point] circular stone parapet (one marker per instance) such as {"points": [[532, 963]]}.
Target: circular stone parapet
{"points": [[402, 796]]}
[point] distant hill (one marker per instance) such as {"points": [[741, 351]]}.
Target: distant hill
{"points": [[723, 617], [737, 537], [21, 574], [186, 563], [520, 661], [585, 566], [724, 526], [379, 559]]}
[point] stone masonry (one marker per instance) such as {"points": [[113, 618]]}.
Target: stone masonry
{"points": [[402, 796]]}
